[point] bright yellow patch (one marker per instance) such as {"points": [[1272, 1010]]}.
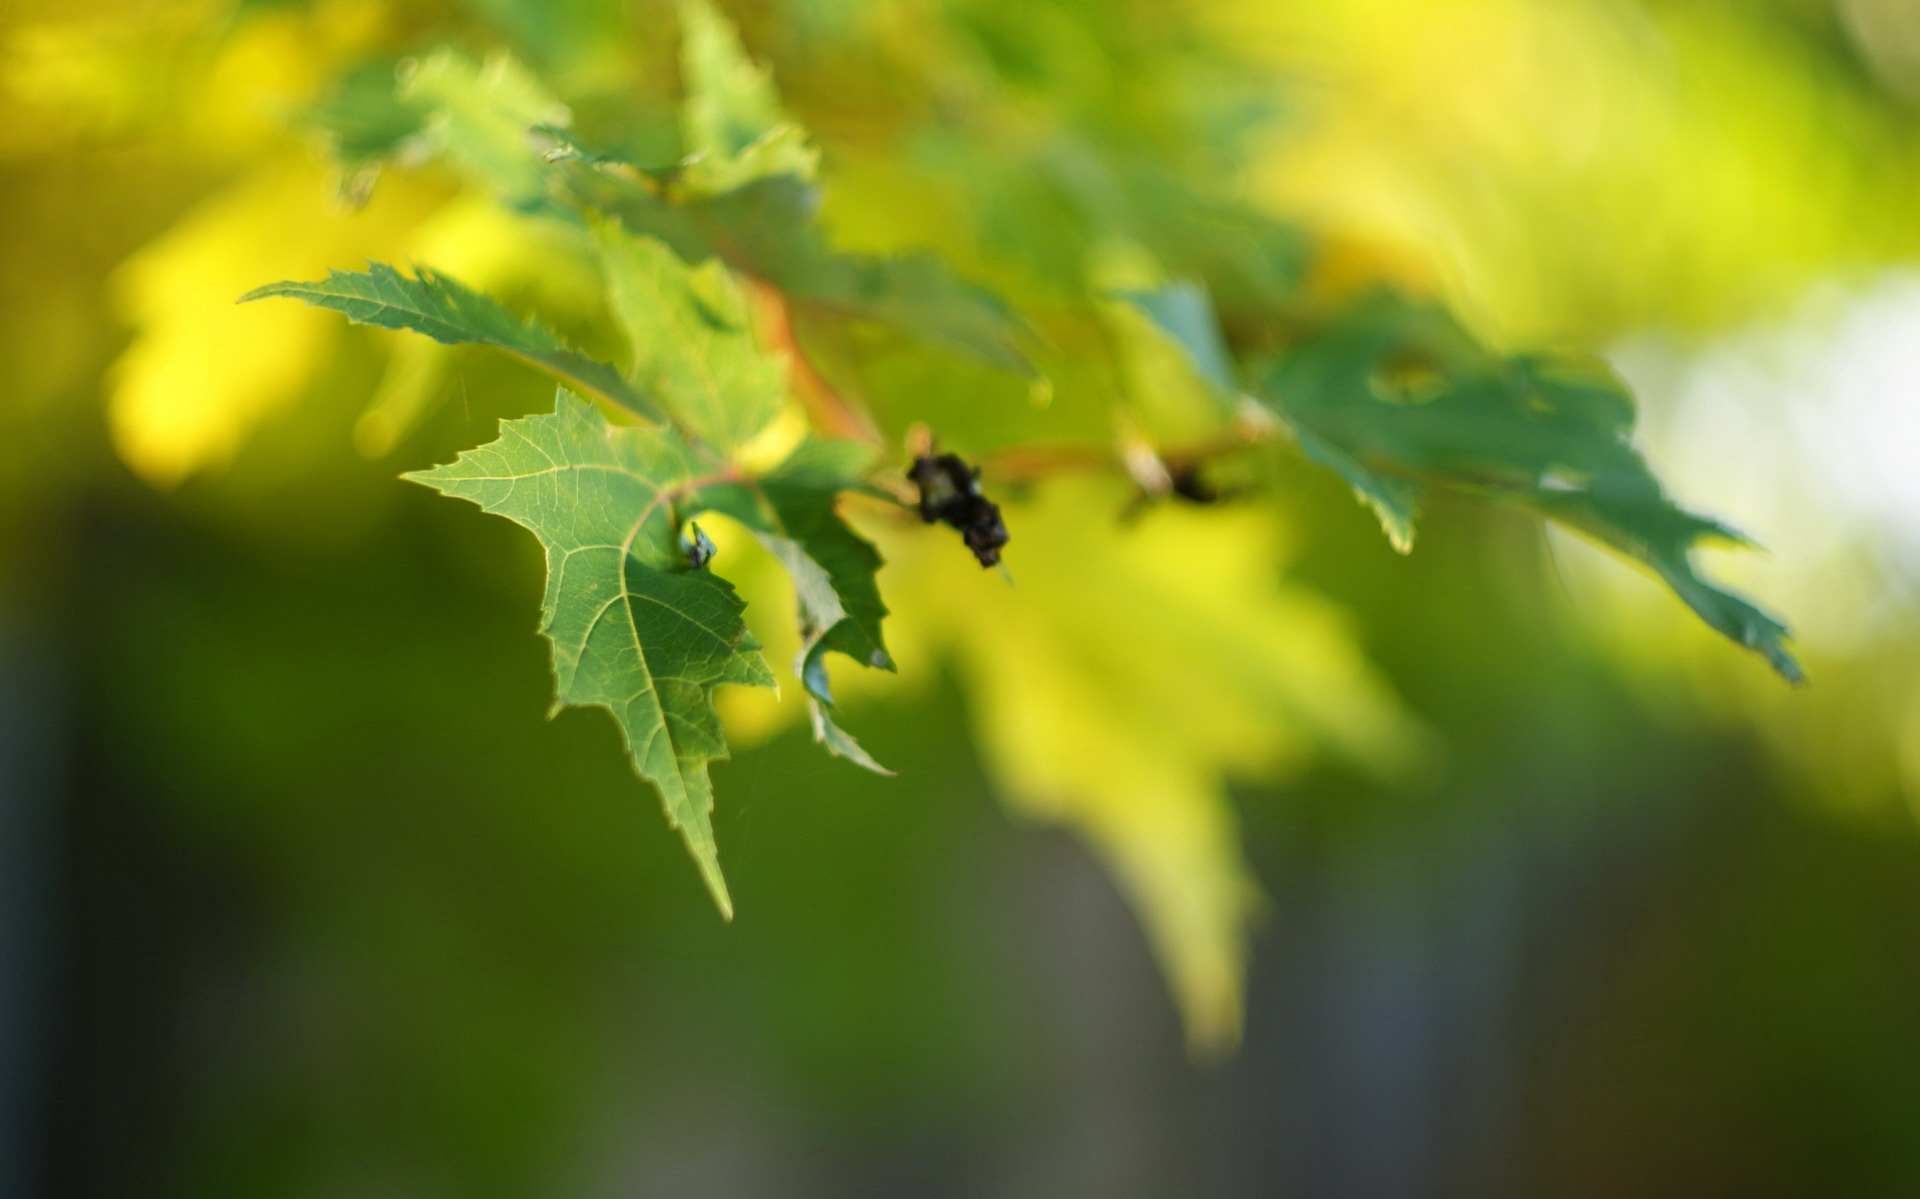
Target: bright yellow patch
{"points": [[1128, 674], [203, 371]]}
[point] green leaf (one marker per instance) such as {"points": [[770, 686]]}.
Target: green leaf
{"points": [[445, 310], [793, 512], [1394, 502], [836, 739], [731, 122], [731, 103], [911, 292], [1184, 313], [366, 123], [801, 494], [765, 229], [769, 225], [481, 117], [635, 628], [1395, 397], [692, 337]]}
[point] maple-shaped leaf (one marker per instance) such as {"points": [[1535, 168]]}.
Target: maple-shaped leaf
{"points": [[442, 308], [692, 337], [1395, 397], [636, 627], [746, 194]]}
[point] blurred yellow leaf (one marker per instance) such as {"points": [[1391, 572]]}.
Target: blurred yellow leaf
{"points": [[1126, 677], [1578, 169], [201, 370], [186, 74], [270, 66]]}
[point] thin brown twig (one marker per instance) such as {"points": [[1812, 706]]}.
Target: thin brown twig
{"points": [[1026, 464], [830, 412], [837, 416]]}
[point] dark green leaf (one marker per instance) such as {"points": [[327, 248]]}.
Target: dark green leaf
{"points": [[366, 123], [635, 628], [449, 312], [793, 512], [1395, 396]]}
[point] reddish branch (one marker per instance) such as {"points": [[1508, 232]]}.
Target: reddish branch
{"points": [[1149, 466], [1155, 470], [830, 412]]}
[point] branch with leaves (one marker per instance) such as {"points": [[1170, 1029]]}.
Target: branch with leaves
{"points": [[715, 268]]}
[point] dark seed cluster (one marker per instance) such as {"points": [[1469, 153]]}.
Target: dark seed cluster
{"points": [[950, 493]]}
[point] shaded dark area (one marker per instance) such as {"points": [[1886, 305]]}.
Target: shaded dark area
{"points": [[304, 936]]}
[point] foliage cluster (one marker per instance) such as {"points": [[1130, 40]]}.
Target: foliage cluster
{"points": [[766, 380]]}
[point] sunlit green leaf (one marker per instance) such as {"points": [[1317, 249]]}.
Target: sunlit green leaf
{"points": [[766, 229], [480, 116], [440, 307], [692, 337], [635, 628], [732, 124]]}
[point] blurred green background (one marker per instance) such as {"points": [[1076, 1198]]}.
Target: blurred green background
{"points": [[304, 897]]}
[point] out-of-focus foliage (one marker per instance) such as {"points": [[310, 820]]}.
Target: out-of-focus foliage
{"points": [[1387, 394], [1559, 172], [693, 341], [1127, 717], [198, 378], [1680, 163]]}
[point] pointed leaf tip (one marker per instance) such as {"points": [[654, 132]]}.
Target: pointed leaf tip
{"points": [[633, 627]]}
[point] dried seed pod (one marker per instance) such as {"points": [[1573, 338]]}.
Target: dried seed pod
{"points": [[950, 494]]}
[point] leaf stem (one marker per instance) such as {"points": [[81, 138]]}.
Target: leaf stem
{"points": [[830, 412], [1026, 464]]}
